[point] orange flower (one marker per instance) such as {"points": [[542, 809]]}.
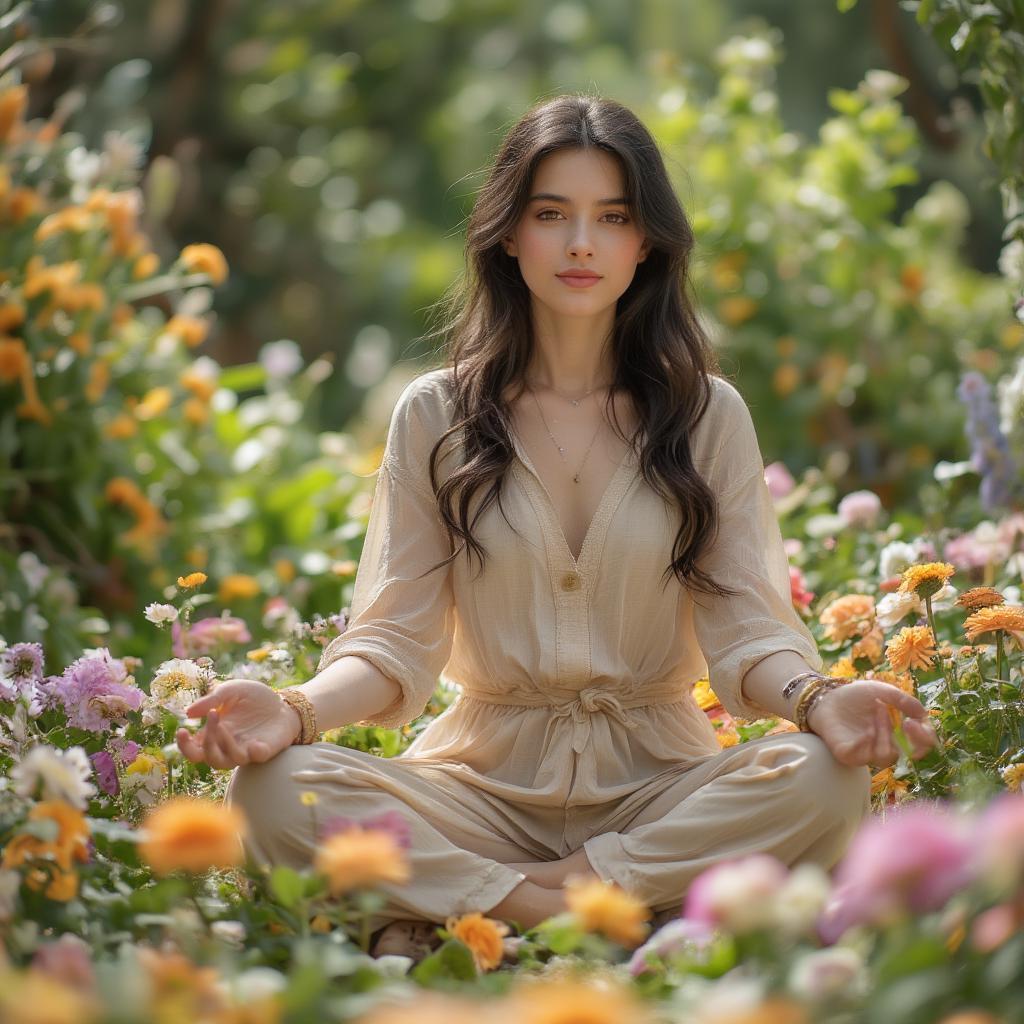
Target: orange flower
{"points": [[566, 1000], [14, 360], [71, 845], [145, 266], [13, 102], [12, 315], [35, 997], [844, 669], [848, 616], [186, 834], [237, 586], [205, 259], [361, 858], [869, 645], [193, 579], [886, 782], [155, 402], [980, 597], [179, 989], [191, 329], [606, 908], [482, 935], [912, 647], [704, 695], [927, 579], [1008, 617]]}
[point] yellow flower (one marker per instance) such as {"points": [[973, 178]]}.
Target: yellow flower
{"points": [[191, 329], [285, 569], [193, 579], [1013, 775], [237, 586], [869, 645], [706, 697], [735, 309], [34, 997], [927, 579], [980, 597], [187, 834], [361, 858], [848, 616], [606, 908], [786, 378], [71, 218], [180, 990], [727, 737], [12, 314], [482, 935], [145, 266], [569, 1001], [844, 669], [1008, 617], [156, 401], [431, 1008], [205, 259], [13, 102], [309, 798], [912, 647], [71, 845]]}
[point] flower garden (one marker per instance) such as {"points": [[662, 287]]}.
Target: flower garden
{"points": [[167, 523]]}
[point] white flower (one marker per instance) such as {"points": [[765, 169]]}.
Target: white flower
{"points": [[254, 985], [944, 599], [64, 775], [895, 557], [232, 932], [860, 509], [1011, 399], [178, 683], [33, 570], [744, 894], [801, 899], [731, 994], [281, 359], [826, 973], [161, 612], [893, 608]]}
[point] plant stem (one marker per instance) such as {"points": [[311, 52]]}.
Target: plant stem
{"points": [[999, 659]]}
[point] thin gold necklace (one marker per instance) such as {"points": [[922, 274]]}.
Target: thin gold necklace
{"points": [[561, 450]]}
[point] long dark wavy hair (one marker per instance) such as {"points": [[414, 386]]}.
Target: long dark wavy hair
{"points": [[661, 355]]}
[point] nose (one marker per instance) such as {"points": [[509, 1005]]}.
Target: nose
{"points": [[579, 242]]}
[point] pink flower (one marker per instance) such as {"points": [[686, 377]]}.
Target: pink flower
{"points": [[68, 960], [860, 509], [913, 861], [800, 596], [677, 936], [999, 836], [106, 772], [393, 822], [738, 895], [779, 479], [208, 634]]}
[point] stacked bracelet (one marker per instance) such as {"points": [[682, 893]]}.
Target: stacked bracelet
{"points": [[810, 696], [787, 690], [307, 716]]}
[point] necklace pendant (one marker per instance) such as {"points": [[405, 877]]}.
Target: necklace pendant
{"points": [[576, 479], [561, 450], [575, 401]]}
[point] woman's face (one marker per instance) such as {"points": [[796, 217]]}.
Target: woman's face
{"points": [[568, 225]]}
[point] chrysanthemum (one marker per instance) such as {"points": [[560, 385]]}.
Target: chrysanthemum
{"points": [[912, 647], [482, 935], [361, 858], [848, 616], [63, 774], [604, 907], [1013, 775], [980, 597], [926, 579], [186, 834], [1007, 617]]}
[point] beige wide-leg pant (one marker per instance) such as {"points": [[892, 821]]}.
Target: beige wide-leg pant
{"points": [[784, 794]]}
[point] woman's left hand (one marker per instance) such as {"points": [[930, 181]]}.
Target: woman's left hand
{"points": [[855, 723]]}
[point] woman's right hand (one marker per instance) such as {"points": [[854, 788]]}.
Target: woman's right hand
{"points": [[246, 721]]}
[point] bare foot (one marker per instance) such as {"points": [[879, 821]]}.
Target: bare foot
{"points": [[406, 938], [552, 874]]}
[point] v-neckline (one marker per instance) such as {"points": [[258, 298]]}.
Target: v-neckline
{"points": [[601, 512]]}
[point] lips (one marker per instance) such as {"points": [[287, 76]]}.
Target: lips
{"points": [[583, 275]]}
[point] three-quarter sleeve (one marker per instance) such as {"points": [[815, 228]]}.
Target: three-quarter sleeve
{"points": [[402, 625], [735, 633]]}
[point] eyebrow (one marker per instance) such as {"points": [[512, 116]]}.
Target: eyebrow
{"points": [[551, 197]]}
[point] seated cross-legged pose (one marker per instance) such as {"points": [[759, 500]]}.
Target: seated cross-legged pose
{"points": [[570, 523]]}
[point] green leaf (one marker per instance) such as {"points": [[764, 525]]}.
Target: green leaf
{"points": [[846, 5], [287, 886], [452, 959]]}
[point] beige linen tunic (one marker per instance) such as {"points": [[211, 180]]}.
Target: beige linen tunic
{"points": [[574, 724]]}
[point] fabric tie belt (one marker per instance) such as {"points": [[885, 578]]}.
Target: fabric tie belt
{"points": [[580, 710]]}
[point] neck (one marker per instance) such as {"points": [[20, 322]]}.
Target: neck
{"points": [[571, 356]]}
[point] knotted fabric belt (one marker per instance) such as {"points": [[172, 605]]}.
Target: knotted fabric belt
{"points": [[583, 704]]}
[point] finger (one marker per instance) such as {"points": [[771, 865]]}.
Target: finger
{"points": [[905, 702], [215, 752], [188, 746], [200, 707], [885, 747], [921, 735], [230, 745]]}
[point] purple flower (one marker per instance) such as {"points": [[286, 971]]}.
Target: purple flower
{"points": [[990, 451], [124, 750], [393, 822], [913, 861], [106, 772], [21, 668], [92, 690]]}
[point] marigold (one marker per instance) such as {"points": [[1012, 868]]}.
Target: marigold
{"points": [[565, 1000], [980, 597], [14, 359], [206, 259], [70, 845], [886, 782], [926, 579], [1007, 617], [844, 669], [361, 858], [186, 834], [848, 616], [912, 647], [482, 935], [1013, 775], [869, 645], [605, 907], [193, 579], [237, 586]]}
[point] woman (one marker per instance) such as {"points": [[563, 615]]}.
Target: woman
{"points": [[574, 577]]}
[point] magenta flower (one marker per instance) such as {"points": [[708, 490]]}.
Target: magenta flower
{"points": [[106, 772], [124, 750], [393, 822], [798, 592], [913, 861]]}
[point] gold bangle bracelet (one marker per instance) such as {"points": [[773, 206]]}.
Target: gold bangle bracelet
{"points": [[307, 715]]}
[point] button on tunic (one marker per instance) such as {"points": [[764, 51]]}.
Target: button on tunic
{"points": [[574, 712]]}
